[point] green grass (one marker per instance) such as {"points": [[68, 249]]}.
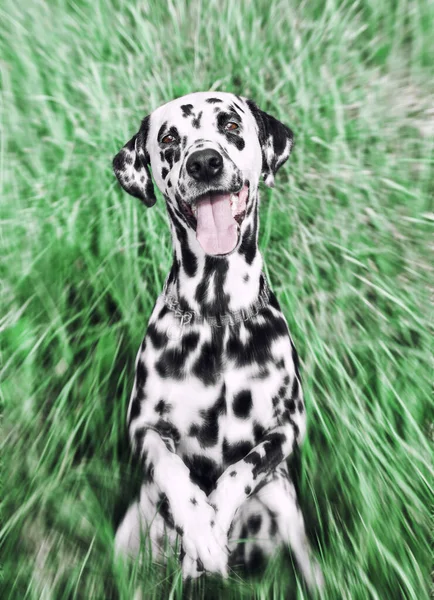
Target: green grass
{"points": [[344, 236]]}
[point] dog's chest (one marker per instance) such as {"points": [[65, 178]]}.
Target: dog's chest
{"points": [[216, 387]]}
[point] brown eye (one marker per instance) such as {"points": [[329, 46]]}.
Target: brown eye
{"points": [[168, 139], [231, 126]]}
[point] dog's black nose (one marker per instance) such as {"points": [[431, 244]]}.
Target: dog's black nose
{"points": [[204, 165]]}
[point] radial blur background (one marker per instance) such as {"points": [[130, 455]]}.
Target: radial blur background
{"points": [[344, 235]]}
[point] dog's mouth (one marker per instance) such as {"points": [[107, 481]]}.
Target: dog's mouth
{"points": [[217, 216]]}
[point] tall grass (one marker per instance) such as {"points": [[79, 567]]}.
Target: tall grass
{"points": [[344, 236]]}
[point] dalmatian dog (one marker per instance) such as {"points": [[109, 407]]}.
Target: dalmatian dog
{"points": [[217, 405]]}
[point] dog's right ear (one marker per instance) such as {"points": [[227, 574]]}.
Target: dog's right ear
{"points": [[131, 167]]}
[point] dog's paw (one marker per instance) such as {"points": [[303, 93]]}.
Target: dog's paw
{"points": [[192, 569], [203, 542]]}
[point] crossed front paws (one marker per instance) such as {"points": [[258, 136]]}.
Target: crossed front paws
{"points": [[203, 540]]}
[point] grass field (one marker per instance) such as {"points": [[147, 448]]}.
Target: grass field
{"points": [[344, 236]]}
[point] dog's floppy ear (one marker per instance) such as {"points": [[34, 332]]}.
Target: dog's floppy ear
{"points": [[276, 140], [131, 167]]}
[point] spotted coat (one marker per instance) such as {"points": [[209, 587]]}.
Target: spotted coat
{"points": [[217, 405]]}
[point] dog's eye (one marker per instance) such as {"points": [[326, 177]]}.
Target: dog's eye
{"points": [[231, 126], [168, 139]]}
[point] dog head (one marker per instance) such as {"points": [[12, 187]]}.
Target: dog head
{"points": [[207, 151]]}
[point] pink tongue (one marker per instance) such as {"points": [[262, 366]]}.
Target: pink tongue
{"points": [[216, 229]]}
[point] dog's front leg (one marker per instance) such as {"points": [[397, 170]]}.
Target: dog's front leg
{"points": [[193, 517], [240, 479]]}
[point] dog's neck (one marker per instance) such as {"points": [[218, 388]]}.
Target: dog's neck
{"points": [[215, 285]]}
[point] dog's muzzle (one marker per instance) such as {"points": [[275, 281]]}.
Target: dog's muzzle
{"points": [[214, 199]]}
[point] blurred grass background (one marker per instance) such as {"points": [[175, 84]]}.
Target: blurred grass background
{"points": [[345, 239]]}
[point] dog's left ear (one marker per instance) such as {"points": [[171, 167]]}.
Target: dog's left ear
{"points": [[276, 140], [131, 167]]}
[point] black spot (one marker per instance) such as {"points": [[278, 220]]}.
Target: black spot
{"points": [[149, 470], [286, 380], [196, 120], [164, 510], [163, 312], [232, 453], [212, 523], [295, 388], [135, 408], [273, 525], [171, 364], [207, 433], [300, 406], [213, 100], [164, 172], [149, 190], [139, 439], [282, 391], [189, 342], [193, 501], [179, 530], [199, 565], [233, 474], [242, 404], [169, 155], [157, 338], [246, 277], [248, 245], [290, 405], [247, 490], [208, 366], [169, 184], [162, 407], [204, 471], [254, 523], [280, 364], [273, 301], [141, 373], [174, 271], [186, 109], [258, 432]]}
